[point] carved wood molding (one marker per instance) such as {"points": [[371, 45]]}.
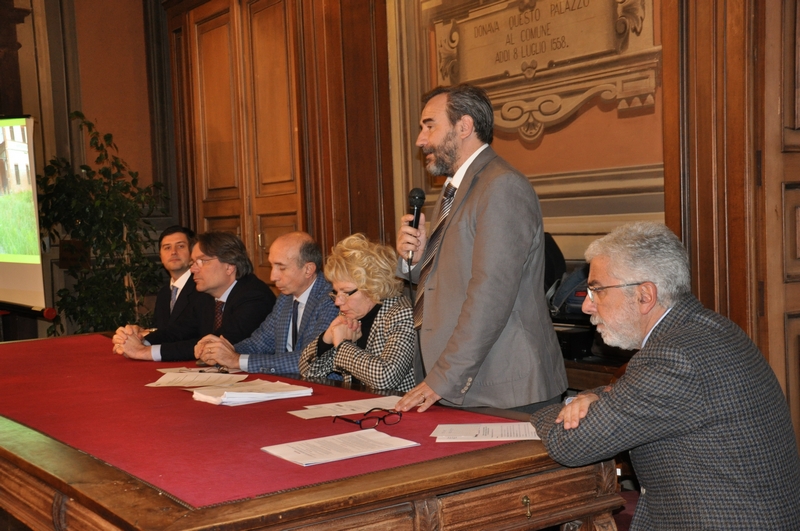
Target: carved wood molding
{"points": [[631, 86], [555, 57]]}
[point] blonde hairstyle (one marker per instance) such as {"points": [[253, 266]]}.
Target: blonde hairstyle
{"points": [[369, 265]]}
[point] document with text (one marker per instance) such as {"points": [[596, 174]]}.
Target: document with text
{"points": [[338, 447], [346, 408], [196, 379], [503, 431]]}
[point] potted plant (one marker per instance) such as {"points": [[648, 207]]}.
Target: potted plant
{"points": [[98, 214]]}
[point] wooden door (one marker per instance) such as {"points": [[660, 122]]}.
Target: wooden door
{"points": [[213, 43], [780, 201], [275, 182]]}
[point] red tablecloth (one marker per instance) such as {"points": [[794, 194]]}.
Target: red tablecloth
{"points": [[76, 391]]}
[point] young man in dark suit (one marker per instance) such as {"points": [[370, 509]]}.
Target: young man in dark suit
{"points": [[179, 295], [706, 422], [239, 302]]}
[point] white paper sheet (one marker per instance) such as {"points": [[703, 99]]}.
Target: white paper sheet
{"points": [[346, 408], [503, 431], [196, 379], [338, 447], [198, 369]]}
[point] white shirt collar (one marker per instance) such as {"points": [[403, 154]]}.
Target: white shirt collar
{"points": [[181, 282], [462, 170], [224, 297]]}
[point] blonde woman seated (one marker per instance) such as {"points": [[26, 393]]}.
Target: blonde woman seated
{"points": [[372, 340]]}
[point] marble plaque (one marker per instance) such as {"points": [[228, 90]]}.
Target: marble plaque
{"points": [[515, 38]]}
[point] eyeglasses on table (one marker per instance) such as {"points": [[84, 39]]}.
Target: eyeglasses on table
{"points": [[373, 417]]}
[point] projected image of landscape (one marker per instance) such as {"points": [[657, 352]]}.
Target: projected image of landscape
{"points": [[19, 238]]}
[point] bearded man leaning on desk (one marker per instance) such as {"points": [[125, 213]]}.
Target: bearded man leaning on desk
{"points": [[706, 422]]}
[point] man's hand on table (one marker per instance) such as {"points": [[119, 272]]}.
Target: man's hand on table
{"points": [[422, 397]]}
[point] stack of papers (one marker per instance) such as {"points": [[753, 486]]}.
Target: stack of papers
{"points": [[338, 447], [249, 392], [503, 431]]}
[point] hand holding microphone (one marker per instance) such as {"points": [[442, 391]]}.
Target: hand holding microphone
{"points": [[416, 200]]}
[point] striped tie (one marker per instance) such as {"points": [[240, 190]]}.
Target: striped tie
{"points": [[173, 298], [430, 252]]}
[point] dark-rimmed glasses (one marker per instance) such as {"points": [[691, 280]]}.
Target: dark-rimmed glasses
{"points": [[335, 294], [590, 291], [388, 417]]}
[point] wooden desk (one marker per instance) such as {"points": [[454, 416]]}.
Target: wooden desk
{"points": [[48, 485]]}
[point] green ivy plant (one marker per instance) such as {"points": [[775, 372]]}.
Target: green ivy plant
{"points": [[100, 210]]}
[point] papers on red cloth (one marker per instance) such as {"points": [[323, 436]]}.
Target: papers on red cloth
{"points": [[501, 431], [195, 379], [338, 447], [249, 392]]}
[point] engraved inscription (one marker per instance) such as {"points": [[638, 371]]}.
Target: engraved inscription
{"points": [[520, 38]]}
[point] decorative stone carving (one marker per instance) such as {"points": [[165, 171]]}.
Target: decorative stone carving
{"points": [[554, 55]]}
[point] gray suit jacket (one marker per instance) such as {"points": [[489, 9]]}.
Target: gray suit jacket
{"points": [[486, 337], [712, 442]]}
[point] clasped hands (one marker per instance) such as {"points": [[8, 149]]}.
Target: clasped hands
{"points": [[213, 350], [341, 329], [128, 341]]}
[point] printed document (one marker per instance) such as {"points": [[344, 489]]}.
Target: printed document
{"points": [[502, 431], [352, 407], [338, 447]]}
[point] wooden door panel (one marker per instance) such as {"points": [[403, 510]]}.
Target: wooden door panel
{"points": [[276, 189], [216, 122], [275, 132]]}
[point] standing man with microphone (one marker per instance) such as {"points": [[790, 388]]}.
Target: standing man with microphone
{"points": [[485, 333]]}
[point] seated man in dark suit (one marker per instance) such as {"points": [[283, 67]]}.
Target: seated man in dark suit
{"points": [[239, 302], [276, 345], [706, 422], [179, 296]]}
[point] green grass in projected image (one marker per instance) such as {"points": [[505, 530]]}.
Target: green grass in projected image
{"points": [[18, 231]]}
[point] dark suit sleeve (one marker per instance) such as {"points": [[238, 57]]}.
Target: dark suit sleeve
{"points": [[249, 303], [161, 311], [178, 339]]}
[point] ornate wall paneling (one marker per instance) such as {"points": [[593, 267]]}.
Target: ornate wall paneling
{"points": [[272, 113], [543, 64], [283, 117], [346, 100], [709, 147], [235, 89]]}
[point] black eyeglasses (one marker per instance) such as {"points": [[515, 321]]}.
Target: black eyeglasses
{"points": [[388, 417], [335, 294]]}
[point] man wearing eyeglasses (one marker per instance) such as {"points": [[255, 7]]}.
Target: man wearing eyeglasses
{"points": [[303, 311], [239, 301], [706, 422]]}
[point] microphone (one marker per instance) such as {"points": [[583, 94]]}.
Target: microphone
{"points": [[416, 200]]}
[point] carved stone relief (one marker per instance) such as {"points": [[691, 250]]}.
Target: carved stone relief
{"points": [[542, 60]]}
